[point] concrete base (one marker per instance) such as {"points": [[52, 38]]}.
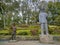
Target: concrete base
{"points": [[12, 41], [46, 39]]}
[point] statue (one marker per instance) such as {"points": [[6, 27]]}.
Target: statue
{"points": [[43, 18], [42, 6]]}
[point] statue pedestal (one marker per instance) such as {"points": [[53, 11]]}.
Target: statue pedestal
{"points": [[12, 41], [46, 39]]}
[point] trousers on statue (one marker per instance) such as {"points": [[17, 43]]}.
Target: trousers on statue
{"points": [[44, 28]]}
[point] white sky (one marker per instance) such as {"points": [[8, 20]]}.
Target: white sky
{"points": [[47, 0], [41, 0]]}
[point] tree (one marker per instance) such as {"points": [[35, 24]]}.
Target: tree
{"points": [[57, 20], [54, 9], [9, 7], [2, 8]]}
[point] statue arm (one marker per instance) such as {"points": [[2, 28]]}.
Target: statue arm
{"points": [[46, 16]]}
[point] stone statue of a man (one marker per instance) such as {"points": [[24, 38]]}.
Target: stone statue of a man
{"points": [[43, 20]]}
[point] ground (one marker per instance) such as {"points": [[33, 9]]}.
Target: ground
{"points": [[25, 43]]}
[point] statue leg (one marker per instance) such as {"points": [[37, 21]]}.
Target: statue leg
{"points": [[46, 28], [42, 29]]}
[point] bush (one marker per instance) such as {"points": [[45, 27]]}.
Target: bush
{"points": [[23, 26], [34, 27], [51, 31], [23, 33], [1, 33], [54, 30], [57, 31], [34, 32], [4, 33]]}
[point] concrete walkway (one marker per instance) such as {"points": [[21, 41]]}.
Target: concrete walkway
{"points": [[24, 43]]}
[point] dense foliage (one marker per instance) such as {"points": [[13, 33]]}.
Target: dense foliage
{"points": [[19, 12]]}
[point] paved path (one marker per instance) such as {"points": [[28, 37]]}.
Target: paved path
{"points": [[24, 43]]}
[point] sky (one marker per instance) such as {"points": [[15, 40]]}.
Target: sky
{"points": [[47, 0], [41, 0]]}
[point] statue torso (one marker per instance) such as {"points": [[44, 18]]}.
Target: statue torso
{"points": [[42, 17]]}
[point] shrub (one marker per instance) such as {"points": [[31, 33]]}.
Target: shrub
{"points": [[24, 26], [22, 33], [51, 31], [4, 33], [54, 30], [57, 31], [1, 33], [34, 32]]}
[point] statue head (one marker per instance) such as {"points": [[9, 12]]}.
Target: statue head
{"points": [[43, 6], [42, 9]]}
